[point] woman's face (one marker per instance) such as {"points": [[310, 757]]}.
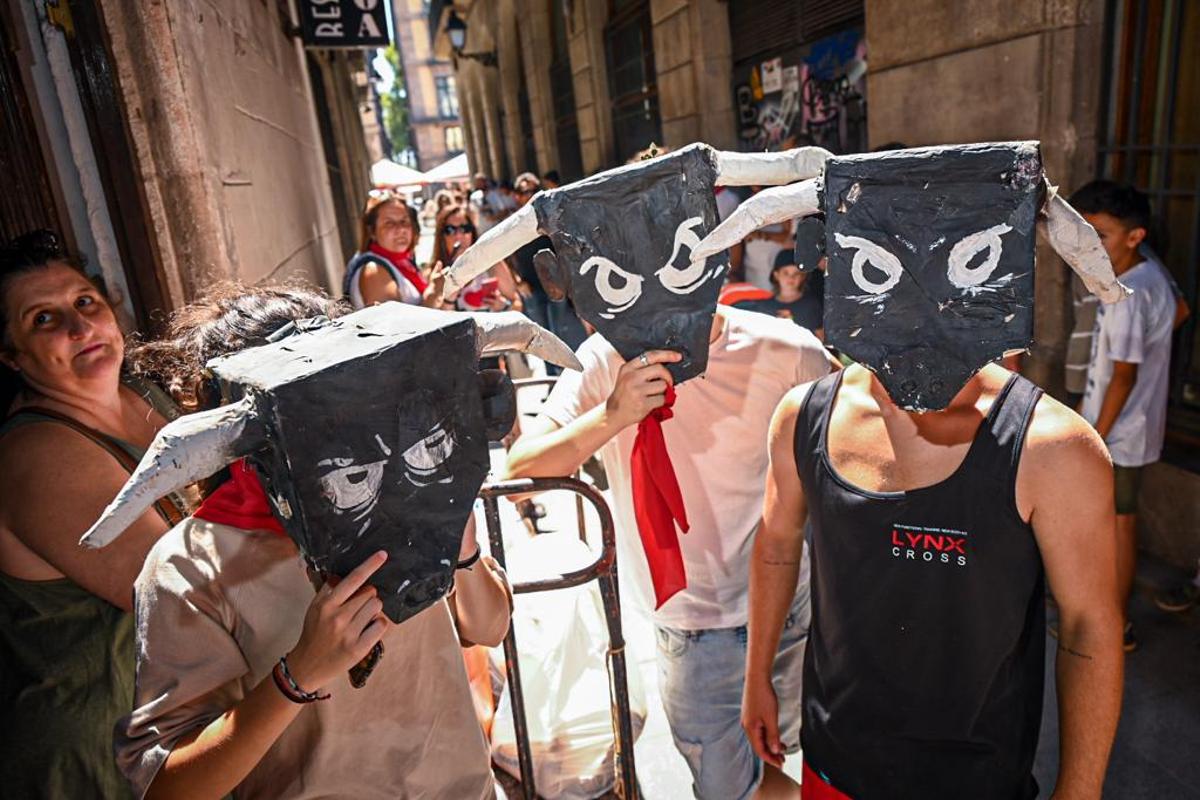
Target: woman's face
{"points": [[457, 231], [790, 279], [61, 332], [393, 228]]}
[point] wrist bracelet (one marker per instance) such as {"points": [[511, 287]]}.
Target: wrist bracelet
{"points": [[469, 562], [288, 686]]}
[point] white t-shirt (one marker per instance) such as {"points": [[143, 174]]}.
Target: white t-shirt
{"points": [[717, 441], [1136, 330]]}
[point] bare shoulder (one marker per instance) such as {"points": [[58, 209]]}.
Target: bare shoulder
{"points": [[43, 461], [1063, 455]]}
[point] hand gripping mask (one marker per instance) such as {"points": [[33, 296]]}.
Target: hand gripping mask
{"points": [[369, 433], [623, 242], [930, 271]]}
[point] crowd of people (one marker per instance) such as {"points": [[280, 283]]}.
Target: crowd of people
{"points": [[204, 690]]}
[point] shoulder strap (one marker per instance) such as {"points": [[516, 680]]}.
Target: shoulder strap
{"points": [[166, 509], [812, 420], [998, 448]]}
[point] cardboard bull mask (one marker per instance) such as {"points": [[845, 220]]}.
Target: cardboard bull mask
{"points": [[930, 258], [369, 432], [623, 241]]}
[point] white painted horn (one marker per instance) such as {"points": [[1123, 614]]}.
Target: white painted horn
{"points": [[770, 169], [493, 246], [184, 451], [1077, 243], [497, 332], [768, 207]]}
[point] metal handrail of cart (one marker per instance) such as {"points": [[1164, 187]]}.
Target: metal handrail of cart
{"points": [[604, 570]]}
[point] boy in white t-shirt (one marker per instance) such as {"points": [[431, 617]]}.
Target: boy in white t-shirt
{"points": [[717, 440], [1126, 394]]}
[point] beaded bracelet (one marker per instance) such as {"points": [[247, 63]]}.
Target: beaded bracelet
{"points": [[290, 689]]}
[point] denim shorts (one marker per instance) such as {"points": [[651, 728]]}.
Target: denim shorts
{"points": [[701, 674]]}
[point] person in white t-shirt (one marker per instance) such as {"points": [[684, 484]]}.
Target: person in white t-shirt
{"points": [[718, 444], [1126, 394]]}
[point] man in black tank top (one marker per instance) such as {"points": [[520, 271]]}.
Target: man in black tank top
{"points": [[940, 492]]}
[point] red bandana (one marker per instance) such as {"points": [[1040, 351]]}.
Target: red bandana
{"points": [[658, 504], [403, 262], [240, 502]]}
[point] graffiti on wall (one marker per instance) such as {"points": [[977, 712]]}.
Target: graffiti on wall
{"points": [[821, 100]]}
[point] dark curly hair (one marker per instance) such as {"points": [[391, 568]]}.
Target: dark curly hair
{"points": [[230, 317], [1107, 197]]}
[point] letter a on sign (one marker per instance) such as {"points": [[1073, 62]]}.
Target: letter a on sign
{"points": [[360, 23]]}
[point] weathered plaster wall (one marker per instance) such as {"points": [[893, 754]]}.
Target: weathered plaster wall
{"points": [[693, 60], [224, 128]]}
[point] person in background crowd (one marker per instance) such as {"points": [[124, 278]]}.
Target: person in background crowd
{"points": [[74, 430], [555, 316], [494, 290], [760, 249], [792, 299], [551, 180], [728, 199], [716, 440], [219, 602], [384, 268], [1126, 394]]}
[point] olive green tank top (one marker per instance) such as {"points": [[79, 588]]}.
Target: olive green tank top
{"points": [[66, 675]]}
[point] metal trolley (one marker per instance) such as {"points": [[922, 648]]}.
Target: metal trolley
{"points": [[604, 570]]}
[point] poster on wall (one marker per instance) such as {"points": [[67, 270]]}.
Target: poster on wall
{"points": [[791, 79], [343, 23], [772, 75]]}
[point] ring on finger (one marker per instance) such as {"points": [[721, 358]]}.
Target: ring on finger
{"points": [[645, 361]]}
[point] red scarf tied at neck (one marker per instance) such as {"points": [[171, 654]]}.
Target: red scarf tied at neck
{"points": [[658, 504], [240, 502], [403, 262]]}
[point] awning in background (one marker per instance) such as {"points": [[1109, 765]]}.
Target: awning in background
{"points": [[386, 173], [456, 169]]}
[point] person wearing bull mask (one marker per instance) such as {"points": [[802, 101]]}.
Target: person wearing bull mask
{"points": [[293, 639], [937, 492], [676, 397]]}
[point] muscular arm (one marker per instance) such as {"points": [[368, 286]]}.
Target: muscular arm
{"points": [[56, 484], [774, 569], [1120, 386], [1066, 479]]}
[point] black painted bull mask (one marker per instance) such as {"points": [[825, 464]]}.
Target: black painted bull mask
{"points": [[369, 432], [623, 242], [931, 257]]}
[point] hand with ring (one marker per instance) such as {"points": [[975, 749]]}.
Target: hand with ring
{"points": [[641, 387]]}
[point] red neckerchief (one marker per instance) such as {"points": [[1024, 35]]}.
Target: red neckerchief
{"points": [[815, 787], [240, 502], [658, 504], [403, 262]]}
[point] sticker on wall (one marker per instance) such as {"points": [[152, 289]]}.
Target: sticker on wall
{"points": [[756, 90], [791, 79], [772, 75]]}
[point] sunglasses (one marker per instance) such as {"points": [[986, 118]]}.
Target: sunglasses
{"points": [[450, 230]]}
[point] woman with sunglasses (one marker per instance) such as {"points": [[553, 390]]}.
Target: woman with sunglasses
{"points": [[494, 290], [384, 267], [75, 426]]}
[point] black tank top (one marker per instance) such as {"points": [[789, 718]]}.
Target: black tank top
{"points": [[924, 669]]}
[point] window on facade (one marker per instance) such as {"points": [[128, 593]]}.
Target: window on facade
{"points": [[447, 96], [454, 139], [1151, 139], [632, 87], [562, 89]]}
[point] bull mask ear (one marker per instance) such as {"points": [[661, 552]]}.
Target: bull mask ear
{"points": [[551, 274], [770, 169], [499, 403], [1077, 243], [768, 207], [497, 332], [493, 246], [184, 451]]}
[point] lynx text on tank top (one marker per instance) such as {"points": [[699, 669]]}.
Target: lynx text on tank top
{"points": [[924, 668]]}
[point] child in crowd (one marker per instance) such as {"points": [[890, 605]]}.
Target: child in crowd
{"points": [[1125, 397]]}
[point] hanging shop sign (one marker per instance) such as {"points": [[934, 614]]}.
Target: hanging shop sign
{"points": [[343, 23]]}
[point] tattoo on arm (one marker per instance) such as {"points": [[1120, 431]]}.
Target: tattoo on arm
{"points": [[780, 562], [1062, 648]]}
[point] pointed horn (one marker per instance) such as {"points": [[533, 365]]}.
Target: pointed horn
{"points": [[1077, 243], [495, 245], [765, 208], [770, 169], [512, 330], [184, 451]]}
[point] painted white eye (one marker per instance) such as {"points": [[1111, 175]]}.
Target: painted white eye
{"points": [[867, 252], [619, 297], [425, 458], [351, 487], [967, 248], [688, 279]]}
